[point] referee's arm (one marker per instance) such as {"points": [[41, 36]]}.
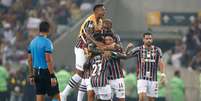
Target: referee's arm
{"points": [[49, 59]]}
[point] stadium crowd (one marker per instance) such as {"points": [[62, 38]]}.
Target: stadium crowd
{"points": [[19, 23], [19, 20], [186, 52]]}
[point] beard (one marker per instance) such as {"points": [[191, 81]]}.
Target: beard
{"points": [[149, 43]]}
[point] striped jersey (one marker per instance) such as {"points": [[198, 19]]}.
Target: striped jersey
{"points": [[147, 61], [99, 73], [91, 23], [115, 68]]}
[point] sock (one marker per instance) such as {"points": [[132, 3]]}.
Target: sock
{"points": [[82, 91], [75, 79]]}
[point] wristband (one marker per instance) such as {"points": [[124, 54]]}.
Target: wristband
{"points": [[163, 75]]}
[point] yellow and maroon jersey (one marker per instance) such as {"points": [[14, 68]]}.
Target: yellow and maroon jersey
{"points": [[91, 23]]}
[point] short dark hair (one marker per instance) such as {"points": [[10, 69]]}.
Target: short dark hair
{"points": [[97, 6], [147, 33], [98, 37], [109, 34], [44, 26]]}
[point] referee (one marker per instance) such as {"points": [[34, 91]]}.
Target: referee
{"points": [[41, 73]]}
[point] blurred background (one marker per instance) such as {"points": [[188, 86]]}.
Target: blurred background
{"points": [[175, 24]]}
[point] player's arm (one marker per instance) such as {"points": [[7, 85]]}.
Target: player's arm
{"points": [[112, 47], [129, 47], [93, 49], [161, 62], [161, 66], [119, 55], [89, 29]]}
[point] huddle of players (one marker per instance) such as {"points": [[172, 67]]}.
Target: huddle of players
{"points": [[103, 68]]}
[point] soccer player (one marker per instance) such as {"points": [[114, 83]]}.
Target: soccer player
{"points": [[41, 72], [114, 64], [92, 51], [99, 78], [116, 77], [101, 71], [92, 24], [149, 57]]}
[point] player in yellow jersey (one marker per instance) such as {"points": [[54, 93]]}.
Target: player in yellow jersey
{"points": [[92, 24]]}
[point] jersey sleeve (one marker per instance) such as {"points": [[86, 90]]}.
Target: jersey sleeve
{"points": [[49, 47], [89, 26], [134, 51], [160, 54]]}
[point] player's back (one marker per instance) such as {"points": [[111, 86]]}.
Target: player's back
{"points": [[99, 74]]}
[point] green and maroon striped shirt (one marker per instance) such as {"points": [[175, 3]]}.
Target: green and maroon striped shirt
{"points": [[99, 73]]}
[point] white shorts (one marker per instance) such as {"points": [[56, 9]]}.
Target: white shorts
{"points": [[103, 93], [118, 87], [88, 84], [148, 87], [80, 58]]}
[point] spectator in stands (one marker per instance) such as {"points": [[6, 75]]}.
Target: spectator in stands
{"points": [[177, 87], [86, 6], [130, 84], [177, 54], [17, 84], [63, 77], [4, 76], [192, 40], [195, 64], [75, 12], [8, 34], [63, 17]]}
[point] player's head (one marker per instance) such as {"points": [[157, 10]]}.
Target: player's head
{"points": [[44, 27], [147, 39], [108, 39], [98, 37], [107, 24], [99, 10]]}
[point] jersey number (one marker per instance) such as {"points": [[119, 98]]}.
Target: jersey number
{"points": [[96, 69]]}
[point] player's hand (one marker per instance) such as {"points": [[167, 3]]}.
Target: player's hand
{"points": [[99, 44], [107, 55], [130, 45], [162, 79], [53, 82], [31, 80]]}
